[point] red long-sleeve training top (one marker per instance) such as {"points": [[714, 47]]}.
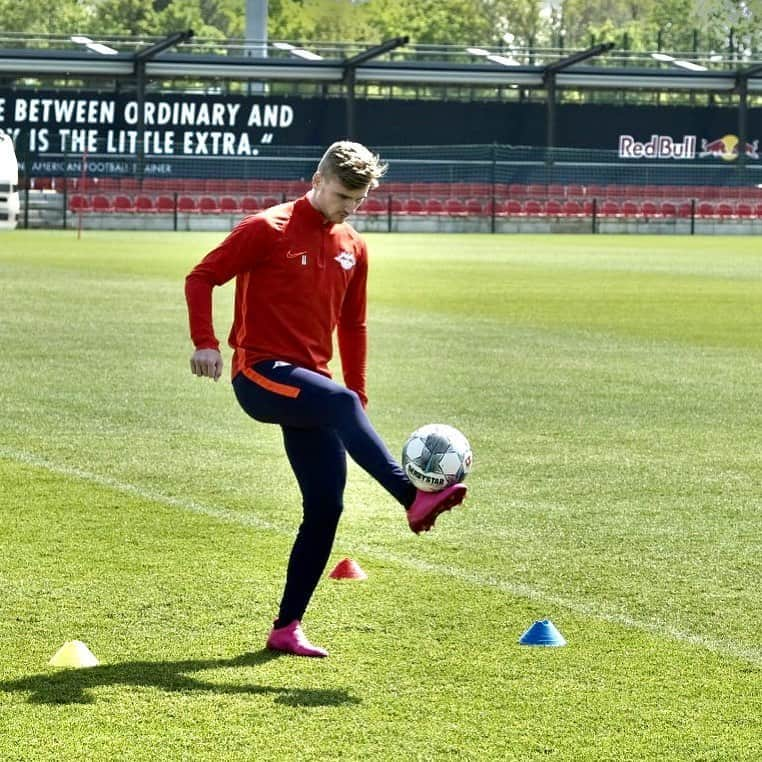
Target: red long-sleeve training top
{"points": [[298, 277]]}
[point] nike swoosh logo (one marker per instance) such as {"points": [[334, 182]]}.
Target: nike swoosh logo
{"points": [[294, 254]]}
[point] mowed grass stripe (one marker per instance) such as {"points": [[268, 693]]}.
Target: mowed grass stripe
{"points": [[594, 610]]}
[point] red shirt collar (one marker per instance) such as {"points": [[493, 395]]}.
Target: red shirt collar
{"points": [[312, 215]]}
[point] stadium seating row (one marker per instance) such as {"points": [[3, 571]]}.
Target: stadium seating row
{"points": [[283, 189], [205, 204]]}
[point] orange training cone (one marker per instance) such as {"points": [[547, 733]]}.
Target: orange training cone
{"points": [[348, 569]]}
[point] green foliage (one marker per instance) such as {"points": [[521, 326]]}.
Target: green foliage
{"points": [[188, 14], [322, 20], [125, 17], [726, 26], [46, 16], [430, 21]]}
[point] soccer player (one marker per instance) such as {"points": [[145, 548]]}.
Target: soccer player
{"points": [[301, 273]]}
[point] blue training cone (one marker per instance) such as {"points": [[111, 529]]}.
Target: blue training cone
{"points": [[542, 633]]}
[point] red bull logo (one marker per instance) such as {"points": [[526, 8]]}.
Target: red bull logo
{"points": [[727, 148], [658, 147]]}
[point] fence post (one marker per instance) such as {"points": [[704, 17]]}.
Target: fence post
{"points": [[595, 214], [693, 216], [26, 191], [174, 213], [389, 213], [493, 184], [65, 179]]}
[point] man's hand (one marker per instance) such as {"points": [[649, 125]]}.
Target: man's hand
{"points": [[206, 362]]}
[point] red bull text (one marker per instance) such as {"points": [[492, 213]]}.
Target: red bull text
{"points": [[658, 147]]}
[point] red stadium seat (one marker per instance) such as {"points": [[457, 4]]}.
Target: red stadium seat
{"points": [[668, 209], [572, 208], [233, 186], [575, 191], [758, 211], [250, 205], [144, 204], [155, 184], [434, 206], [79, 203], [455, 206], [106, 184], [474, 207], [208, 205], [513, 208], [609, 209], [228, 205], [395, 205], [165, 204], [744, 210], [129, 184], [631, 209], [553, 208], [101, 203], [685, 209], [711, 192], [649, 209], [445, 190], [414, 206], [725, 210], [186, 204], [269, 201], [373, 205], [123, 204], [537, 191], [556, 191], [705, 209], [533, 208]]}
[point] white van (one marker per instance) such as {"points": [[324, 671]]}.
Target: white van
{"points": [[9, 182]]}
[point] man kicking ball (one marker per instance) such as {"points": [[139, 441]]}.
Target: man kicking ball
{"points": [[301, 273]]}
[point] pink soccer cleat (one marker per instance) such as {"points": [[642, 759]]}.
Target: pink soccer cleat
{"points": [[292, 640], [428, 505]]}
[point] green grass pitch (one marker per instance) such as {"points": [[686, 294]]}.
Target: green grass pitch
{"points": [[610, 387]]}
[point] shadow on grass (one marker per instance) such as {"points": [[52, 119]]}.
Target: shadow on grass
{"points": [[71, 686]]}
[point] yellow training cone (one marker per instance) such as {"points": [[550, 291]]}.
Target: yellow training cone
{"points": [[73, 653]]}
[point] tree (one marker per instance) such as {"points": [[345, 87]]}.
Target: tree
{"points": [[188, 14], [457, 22], [46, 16], [319, 20], [518, 22], [128, 17]]}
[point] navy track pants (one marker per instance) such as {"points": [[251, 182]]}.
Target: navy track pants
{"points": [[321, 421]]}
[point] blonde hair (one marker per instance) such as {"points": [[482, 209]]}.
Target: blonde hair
{"points": [[354, 165]]}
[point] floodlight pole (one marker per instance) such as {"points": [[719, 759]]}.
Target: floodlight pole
{"points": [[350, 69], [139, 62], [742, 87], [549, 82]]}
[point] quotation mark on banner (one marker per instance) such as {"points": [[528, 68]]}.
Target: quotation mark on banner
{"points": [[267, 138]]}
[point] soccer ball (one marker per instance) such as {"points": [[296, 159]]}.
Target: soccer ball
{"points": [[436, 456]]}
